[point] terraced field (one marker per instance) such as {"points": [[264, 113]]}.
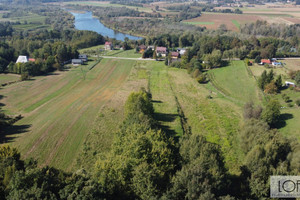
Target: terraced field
{"points": [[59, 109]]}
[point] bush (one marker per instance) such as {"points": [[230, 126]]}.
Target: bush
{"points": [[297, 102], [202, 78], [25, 76]]}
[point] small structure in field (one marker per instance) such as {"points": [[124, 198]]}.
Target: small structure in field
{"points": [[161, 51], [108, 46], [22, 59], [76, 62], [289, 84], [83, 57]]}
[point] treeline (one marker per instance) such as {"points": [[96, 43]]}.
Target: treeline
{"points": [[262, 28], [50, 49], [59, 19], [197, 7], [5, 29]]}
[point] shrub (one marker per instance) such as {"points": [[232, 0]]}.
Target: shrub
{"points": [[202, 78], [25, 76], [297, 102]]}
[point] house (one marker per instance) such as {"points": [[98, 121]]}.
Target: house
{"points": [[181, 51], [83, 57], [174, 55], [289, 84], [77, 62], [22, 59], [265, 61], [277, 64], [151, 47], [161, 51], [293, 50], [142, 48], [31, 60], [108, 46]]}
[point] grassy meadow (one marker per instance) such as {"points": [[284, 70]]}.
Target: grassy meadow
{"points": [[235, 82], [59, 109], [70, 117]]}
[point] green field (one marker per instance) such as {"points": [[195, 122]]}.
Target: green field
{"points": [[236, 83], [200, 23], [59, 110], [5, 78], [124, 54], [236, 23], [217, 119], [69, 121]]}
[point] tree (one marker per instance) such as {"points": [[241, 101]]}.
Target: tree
{"points": [[271, 113], [297, 78], [271, 88], [278, 82], [203, 173]]}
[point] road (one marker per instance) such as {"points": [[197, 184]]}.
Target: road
{"points": [[124, 58]]}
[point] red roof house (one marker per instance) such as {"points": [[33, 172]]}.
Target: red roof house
{"points": [[108, 46], [266, 61], [161, 50]]}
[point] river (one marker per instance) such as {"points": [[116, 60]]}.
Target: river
{"points": [[86, 21]]}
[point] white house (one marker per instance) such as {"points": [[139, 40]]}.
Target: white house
{"points": [[277, 64], [22, 59]]}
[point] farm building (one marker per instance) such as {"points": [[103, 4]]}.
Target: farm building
{"points": [[77, 62], [181, 51], [265, 61], [83, 57], [289, 84], [277, 64], [151, 47], [161, 51], [174, 55], [108, 46], [142, 48], [22, 59]]}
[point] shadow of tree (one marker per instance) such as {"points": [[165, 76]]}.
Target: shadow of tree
{"points": [[282, 119], [7, 132]]}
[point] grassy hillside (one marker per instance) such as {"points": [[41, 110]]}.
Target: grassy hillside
{"points": [[235, 82], [59, 110], [217, 119]]}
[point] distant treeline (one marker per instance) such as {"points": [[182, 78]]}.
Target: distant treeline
{"points": [[262, 28], [50, 49]]}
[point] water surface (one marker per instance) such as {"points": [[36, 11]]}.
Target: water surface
{"points": [[86, 21]]}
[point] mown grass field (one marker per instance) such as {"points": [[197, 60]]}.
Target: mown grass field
{"points": [[125, 54], [217, 119], [235, 82], [5, 78], [59, 110]]}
